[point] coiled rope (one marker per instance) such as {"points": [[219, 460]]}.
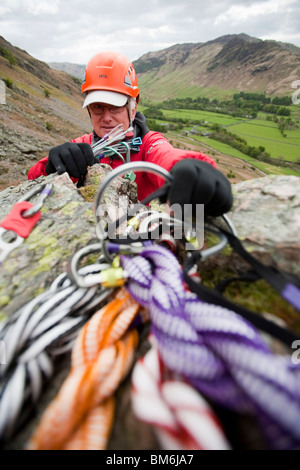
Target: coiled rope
{"points": [[216, 350], [81, 415], [182, 419], [34, 337]]}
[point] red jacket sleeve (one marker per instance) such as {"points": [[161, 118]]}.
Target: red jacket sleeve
{"points": [[156, 149], [39, 168]]}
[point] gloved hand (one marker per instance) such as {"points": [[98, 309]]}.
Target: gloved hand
{"points": [[198, 182], [71, 158]]}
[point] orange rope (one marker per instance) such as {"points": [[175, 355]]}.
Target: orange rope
{"points": [[81, 415]]}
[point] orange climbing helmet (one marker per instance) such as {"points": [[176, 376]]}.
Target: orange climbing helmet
{"points": [[107, 75]]}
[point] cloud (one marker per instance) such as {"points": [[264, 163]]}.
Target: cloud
{"points": [[74, 30]]}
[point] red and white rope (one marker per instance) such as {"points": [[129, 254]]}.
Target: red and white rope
{"points": [[181, 418]]}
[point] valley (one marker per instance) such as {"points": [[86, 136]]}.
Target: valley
{"points": [[43, 106]]}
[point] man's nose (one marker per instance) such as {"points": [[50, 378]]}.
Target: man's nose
{"points": [[106, 113]]}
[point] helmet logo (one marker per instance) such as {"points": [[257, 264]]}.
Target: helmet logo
{"points": [[103, 76]]}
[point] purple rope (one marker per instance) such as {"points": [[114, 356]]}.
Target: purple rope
{"points": [[215, 349]]}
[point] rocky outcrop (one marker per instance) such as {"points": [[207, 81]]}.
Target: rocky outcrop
{"points": [[266, 217], [67, 223], [266, 214]]}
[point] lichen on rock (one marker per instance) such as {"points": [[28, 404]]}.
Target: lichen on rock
{"points": [[68, 223]]}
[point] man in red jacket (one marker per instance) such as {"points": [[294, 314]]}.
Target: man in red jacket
{"points": [[111, 98]]}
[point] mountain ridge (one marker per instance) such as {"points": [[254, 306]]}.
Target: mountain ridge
{"points": [[228, 64], [77, 70], [222, 66]]}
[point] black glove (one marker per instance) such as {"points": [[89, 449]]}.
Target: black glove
{"points": [[72, 158], [198, 182], [140, 125]]}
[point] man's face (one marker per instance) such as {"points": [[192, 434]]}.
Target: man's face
{"points": [[106, 117]]}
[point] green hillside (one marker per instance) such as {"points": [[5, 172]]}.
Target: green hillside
{"points": [[219, 68]]}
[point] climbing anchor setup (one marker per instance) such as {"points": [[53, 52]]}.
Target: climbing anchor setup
{"points": [[202, 354]]}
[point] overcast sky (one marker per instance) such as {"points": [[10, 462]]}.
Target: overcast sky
{"points": [[74, 30]]}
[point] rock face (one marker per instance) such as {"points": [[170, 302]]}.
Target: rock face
{"points": [[265, 214], [67, 224]]}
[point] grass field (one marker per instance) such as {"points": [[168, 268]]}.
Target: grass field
{"points": [[227, 150], [195, 115], [257, 132]]}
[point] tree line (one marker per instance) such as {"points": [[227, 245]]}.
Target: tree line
{"points": [[240, 105]]}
